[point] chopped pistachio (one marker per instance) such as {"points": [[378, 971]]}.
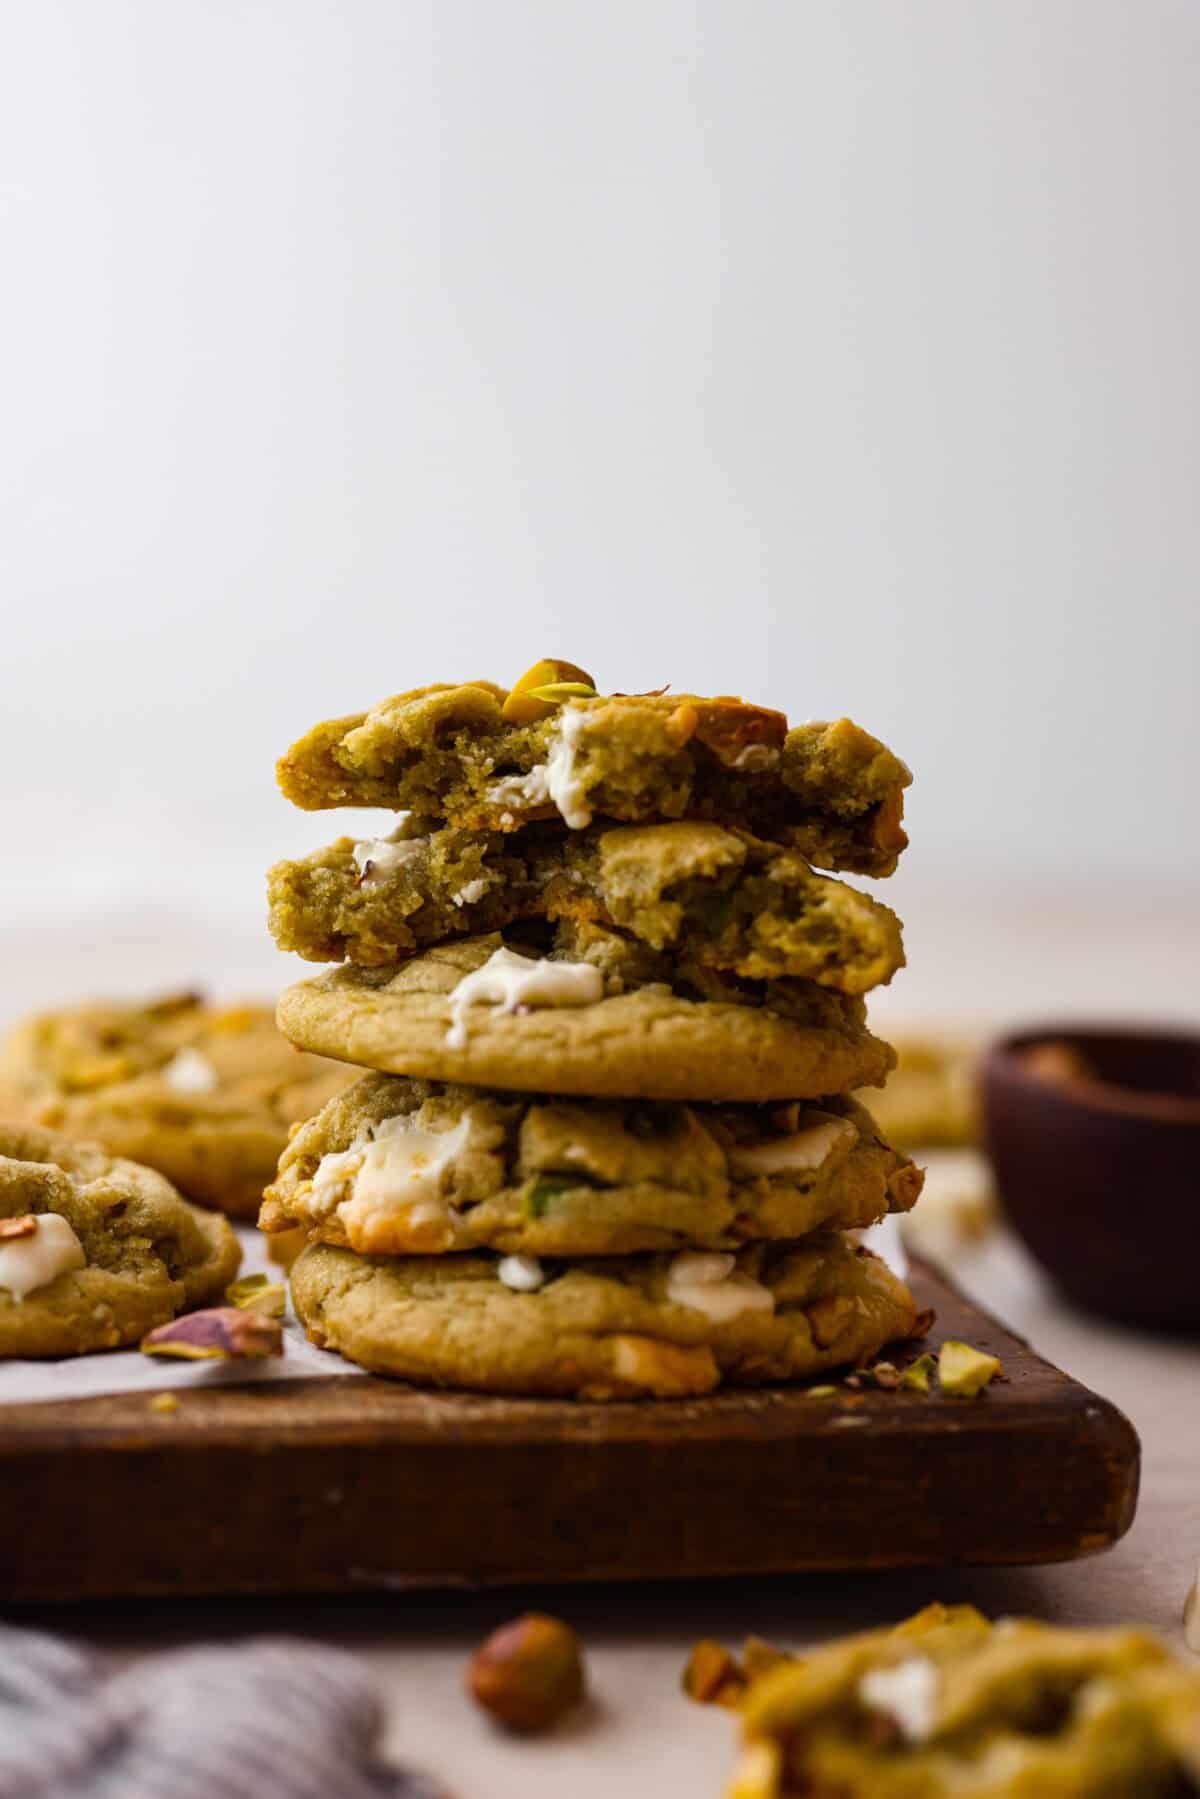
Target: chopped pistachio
{"points": [[964, 1371], [821, 1392], [524, 705], [258, 1293], [916, 1376], [544, 1188], [164, 1402], [558, 691]]}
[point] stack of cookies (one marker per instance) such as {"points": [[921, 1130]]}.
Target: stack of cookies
{"points": [[614, 1021]]}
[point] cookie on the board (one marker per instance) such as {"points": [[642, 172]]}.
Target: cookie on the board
{"points": [[622, 1327]]}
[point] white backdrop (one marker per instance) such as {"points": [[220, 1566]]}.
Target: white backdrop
{"points": [[844, 355]]}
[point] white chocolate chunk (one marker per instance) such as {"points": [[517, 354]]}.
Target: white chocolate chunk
{"points": [[524, 1274], [27, 1263], [403, 1168], [798, 1154], [755, 757], [708, 1282], [907, 1693], [520, 791], [190, 1072], [377, 857], [507, 981], [472, 891]]}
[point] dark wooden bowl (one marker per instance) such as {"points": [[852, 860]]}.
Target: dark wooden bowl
{"points": [[1100, 1175]]}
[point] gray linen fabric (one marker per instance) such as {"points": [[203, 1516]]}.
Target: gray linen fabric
{"points": [[266, 1720]]}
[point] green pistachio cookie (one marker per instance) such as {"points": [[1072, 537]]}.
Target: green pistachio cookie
{"points": [[94, 1250], [617, 1328], [720, 898], [205, 1094], [949, 1706], [599, 1016], [400, 1167], [487, 759]]}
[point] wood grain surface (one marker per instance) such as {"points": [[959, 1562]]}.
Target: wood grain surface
{"points": [[339, 1484]]}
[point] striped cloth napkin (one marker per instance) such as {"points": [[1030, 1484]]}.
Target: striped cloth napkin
{"points": [[266, 1720]]}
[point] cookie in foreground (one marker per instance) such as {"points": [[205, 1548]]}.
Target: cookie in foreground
{"points": [[94, 1250], [463, 755], [665, 1326], [719, 898], [205, 1094], [948, 1704], [394, 1166], [597, 1016]]}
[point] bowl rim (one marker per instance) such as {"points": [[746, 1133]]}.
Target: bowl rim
{"points": [[1003, 1056]]}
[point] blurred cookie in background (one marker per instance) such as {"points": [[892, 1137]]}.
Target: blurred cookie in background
{"points": [[204, 1094]]}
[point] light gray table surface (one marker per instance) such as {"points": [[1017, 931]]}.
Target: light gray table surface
{"points": [[1125, 956]]}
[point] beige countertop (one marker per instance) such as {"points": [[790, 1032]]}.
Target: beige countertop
{"points": [[987, 955]]}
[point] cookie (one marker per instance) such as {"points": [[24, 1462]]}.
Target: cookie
{"points": [[458, 755], [597, 1017], [615, 1328], [947, 1704], [720, 898], [205, 1094], [94, 1250], [931, 1099], [400, 1167]]}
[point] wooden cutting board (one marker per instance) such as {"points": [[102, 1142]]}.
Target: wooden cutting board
{"points": [[327, 1485]]}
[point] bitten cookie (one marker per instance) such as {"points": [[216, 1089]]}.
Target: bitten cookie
{"points": [[720, 898], [401, 1167], [489, 759], [666, 1326], [94, 1250], [205, 1094]]}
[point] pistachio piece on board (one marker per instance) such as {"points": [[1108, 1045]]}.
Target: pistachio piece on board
{"points": [[529, 1673], [964, 1371], [544, 687], [217, 1334], [258, 1293]]}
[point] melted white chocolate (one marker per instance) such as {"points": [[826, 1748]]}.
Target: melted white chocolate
{"points": [[27, 1263], [190, 1072], [566, 786], [524, 1274], [556, 780], [377, 857], [800, 1153], [403, 1168], [508, 981], [709, 1282]]}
